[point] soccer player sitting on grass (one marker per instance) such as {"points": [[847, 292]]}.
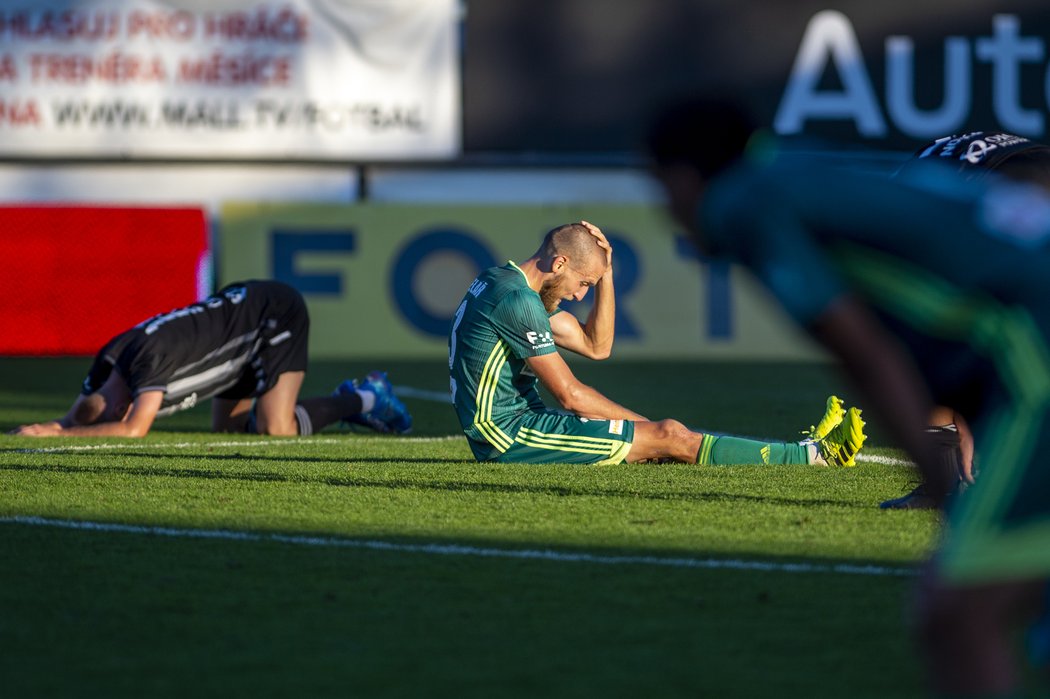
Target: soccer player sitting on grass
{"points": [[505, 336], [927, 287], [245, 347]]}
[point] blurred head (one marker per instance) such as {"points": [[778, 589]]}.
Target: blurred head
{"points": [[110, 403], [573, 262], [690, 143]]}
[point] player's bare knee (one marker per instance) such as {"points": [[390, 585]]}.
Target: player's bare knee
{"points": [[672, 430]]}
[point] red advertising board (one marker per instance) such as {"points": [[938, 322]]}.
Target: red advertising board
{"points": [[75, 276]]}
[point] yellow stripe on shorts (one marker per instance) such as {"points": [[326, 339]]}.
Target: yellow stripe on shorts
{"points": [[486, 392], [562, 442]]}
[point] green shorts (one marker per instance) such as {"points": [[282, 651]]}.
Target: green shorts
{"points": [[554, 438]]}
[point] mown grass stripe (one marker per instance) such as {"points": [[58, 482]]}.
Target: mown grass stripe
{"points": [[463, 550]]}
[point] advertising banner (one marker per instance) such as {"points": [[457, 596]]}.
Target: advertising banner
{"points": [[75, 276], [885, 75], [318, 79], [385, 281]]}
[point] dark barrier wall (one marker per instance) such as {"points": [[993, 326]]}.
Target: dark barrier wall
{"points": [[582, 76]]}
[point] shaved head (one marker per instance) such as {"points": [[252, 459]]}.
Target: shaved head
{"points": [[572, 261]]}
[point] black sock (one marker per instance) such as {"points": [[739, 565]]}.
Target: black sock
{"points": [[945, 438], [322, 411]]}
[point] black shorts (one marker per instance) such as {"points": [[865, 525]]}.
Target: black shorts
{"points": [[283, 343]]}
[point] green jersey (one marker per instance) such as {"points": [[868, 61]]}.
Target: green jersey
{"points": [[500, 323]]}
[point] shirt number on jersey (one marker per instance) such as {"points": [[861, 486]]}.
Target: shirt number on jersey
{"points": [[452, 345]]}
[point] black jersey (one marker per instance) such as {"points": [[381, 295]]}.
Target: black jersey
{"points": [[977, 153], [234, 344]]}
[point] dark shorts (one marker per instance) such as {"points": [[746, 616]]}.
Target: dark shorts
{"points": [[283, 344]]}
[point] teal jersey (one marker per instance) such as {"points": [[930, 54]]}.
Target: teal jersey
{"points": [[500, 323]]}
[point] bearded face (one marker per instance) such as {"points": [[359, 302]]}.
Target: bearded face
{"points": [[551, 293]]}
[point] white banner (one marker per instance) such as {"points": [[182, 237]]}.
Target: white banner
{"points": [[311, 79]]}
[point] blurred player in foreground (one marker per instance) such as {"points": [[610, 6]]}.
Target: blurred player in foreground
{"points": [[975, 156], [925, 287], [245, 347], [505, 336]]}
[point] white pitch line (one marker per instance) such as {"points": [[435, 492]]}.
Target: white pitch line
{"points": [[887, 460], [463, 550], [423, 394], [168, 445], [255, 443], [403, 391]]}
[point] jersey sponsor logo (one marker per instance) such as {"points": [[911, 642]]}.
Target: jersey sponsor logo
{"points": [[976, 151], [539, 340], [187, 402], [616, 427], [476, 287], [949, 143], [184, 404]]}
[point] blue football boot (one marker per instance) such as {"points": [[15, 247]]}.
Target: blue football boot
{"points": [[388, 414]]}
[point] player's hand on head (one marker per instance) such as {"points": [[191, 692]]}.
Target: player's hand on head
{"points": [[603, 242]]}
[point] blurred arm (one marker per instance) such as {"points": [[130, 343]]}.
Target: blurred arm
{"points": [[891, 383]]}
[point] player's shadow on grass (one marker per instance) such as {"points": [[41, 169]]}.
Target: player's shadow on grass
{"points": [[351, 481]]}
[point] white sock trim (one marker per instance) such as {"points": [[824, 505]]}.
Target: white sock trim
{"points": [[368, 400], [306, 425]]}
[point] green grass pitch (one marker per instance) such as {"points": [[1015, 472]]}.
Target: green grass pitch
{"points": [[398, 567]]}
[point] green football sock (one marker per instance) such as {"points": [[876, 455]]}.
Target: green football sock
{"points": [[728, 451]]}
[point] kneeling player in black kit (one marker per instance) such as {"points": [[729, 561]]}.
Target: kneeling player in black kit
{"points": [[975, 155], [245, 347]]}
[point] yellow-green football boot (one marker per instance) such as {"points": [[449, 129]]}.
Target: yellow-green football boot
{"points": [[833, 415], [840, 446]]}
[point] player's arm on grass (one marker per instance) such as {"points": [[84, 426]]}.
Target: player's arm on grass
{"points": [[51, 425], [136, 422], [594, 338], [572, 394], [891, 382]]}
